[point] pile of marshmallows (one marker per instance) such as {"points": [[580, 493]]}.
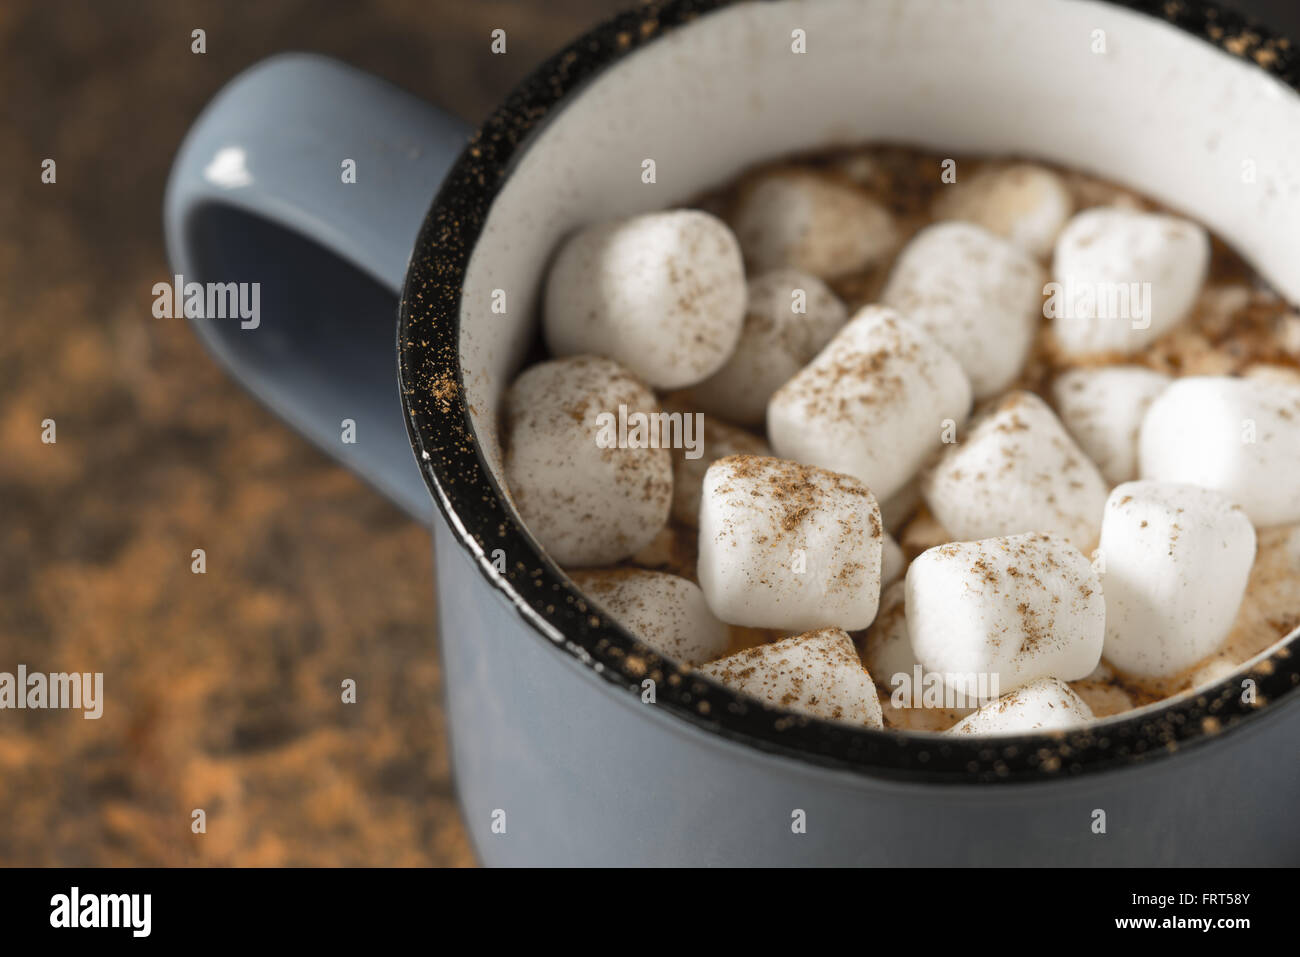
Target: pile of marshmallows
{"points": [[1119, 523]]}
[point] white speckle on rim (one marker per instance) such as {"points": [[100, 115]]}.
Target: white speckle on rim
{"points": [[228, 168]]}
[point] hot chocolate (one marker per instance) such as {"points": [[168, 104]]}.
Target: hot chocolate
{"points": [[1064, 423]]}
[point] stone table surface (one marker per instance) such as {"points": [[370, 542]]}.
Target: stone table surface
{"points": [[223, 688]]}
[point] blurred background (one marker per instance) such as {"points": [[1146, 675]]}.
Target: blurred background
{"points": [[222, 689]]}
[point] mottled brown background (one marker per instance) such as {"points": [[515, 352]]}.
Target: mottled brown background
{"points": [[222, 689]]}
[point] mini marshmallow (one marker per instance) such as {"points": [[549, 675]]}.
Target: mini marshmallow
{"points": [[1240, 437], [1107, 261], [718, 441], [816, 674], [788, 546], [1102, 408], [892, 561], [586, 504], [874, 403], [979, 296], [1047, 704], [887, 654], [1211, 673], [662, 293], [666, 612], [810, 222], [1176, 560], [1022, 203], [1017, 471], [790, 316], [1021, 607], [886, 649]]}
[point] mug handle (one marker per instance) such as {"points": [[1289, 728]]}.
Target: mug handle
{"points": [[304, 184]]}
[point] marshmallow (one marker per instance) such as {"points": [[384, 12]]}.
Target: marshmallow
{"points": [[978, 295], [1023, 203], [887, 654], [813, 223], [817, 674], [1103, 409], [1017, 471], [1211, 673], [1107, 262], [790, 316], [886, 649], [1240, 437], [892, 561], [874, 403], [1021, 608], [789, 546], [1176, 560], [718, 441], [662, 293], [666, 612], [1045, 705], [586, 504]]}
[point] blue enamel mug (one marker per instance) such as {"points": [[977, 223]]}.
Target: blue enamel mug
{"points": [[378, 231]]}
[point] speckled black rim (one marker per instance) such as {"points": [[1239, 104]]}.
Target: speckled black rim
{"points": [[443, 437]]}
